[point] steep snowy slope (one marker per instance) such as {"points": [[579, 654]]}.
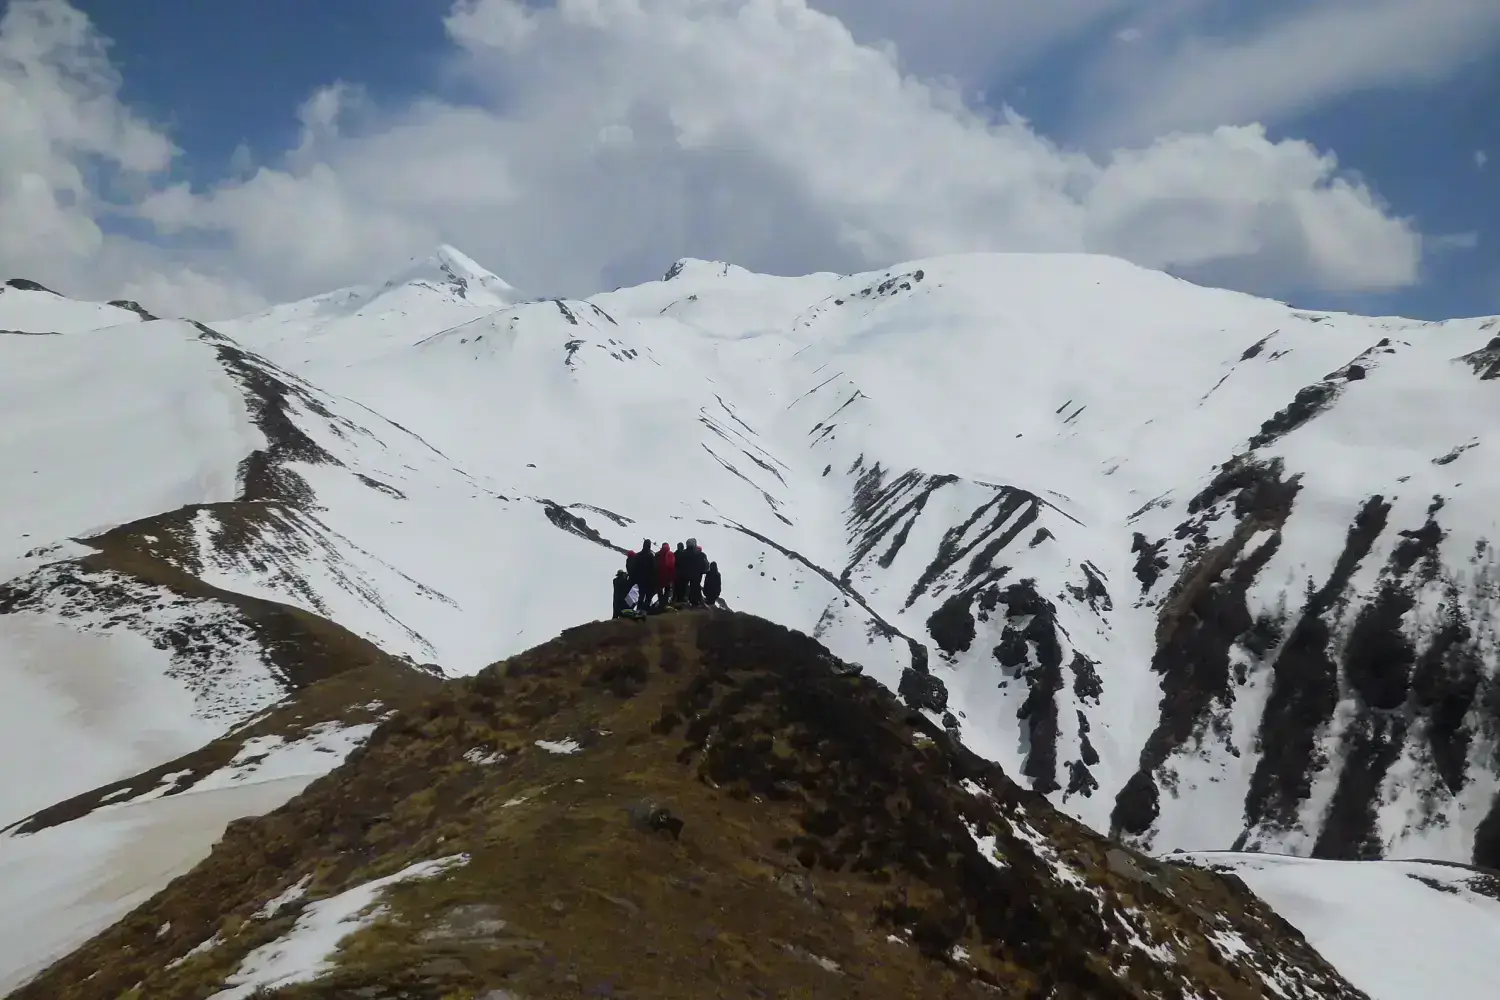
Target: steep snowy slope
{"points": [[98, 427], [72, 870], [1398, 930], [147, 465], [1076, 450], [88, 444]]}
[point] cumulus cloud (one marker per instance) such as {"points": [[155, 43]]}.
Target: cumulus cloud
{"points": [[1191, 74], [72, 158], [612, 136]]}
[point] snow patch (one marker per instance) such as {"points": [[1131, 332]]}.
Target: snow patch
{"points": [[304, 953]]}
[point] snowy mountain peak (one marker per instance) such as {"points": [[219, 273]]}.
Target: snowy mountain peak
{"points": [[692, 267], [431, 294], [1202, 570], [452, 270]]}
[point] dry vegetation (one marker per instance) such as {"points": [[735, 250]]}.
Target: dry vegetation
{"points": [[745, 817]]}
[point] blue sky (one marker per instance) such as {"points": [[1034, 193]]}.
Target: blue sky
{"points": [[214, 77], [228, 72]]}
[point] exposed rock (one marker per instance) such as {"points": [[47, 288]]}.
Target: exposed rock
{"points": [[652, 818], [1304, 689], [1307, 404], [134, 307], [1204, 614], [468, 923], [25, 285]]}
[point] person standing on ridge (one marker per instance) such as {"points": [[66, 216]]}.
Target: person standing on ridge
{"points": [[697, 566], [622, 592], [643, 574], [713, 586], [679, 575], [666, 566]]}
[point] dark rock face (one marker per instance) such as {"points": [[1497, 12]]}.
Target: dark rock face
{"points": [[952, 624], [1039, 713], [1486, 360], [794, 829], [1487, 838], [1308, 403], [922, 690], [1203, 616], [1417, 694], [134, 307], [25, 285], [967, 564], [1149, 562], [1304, 689], [264, 474]]}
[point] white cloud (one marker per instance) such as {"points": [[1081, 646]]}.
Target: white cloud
{"points": [[1451, 241], [615, 135], [71, 154], [1293, 60], [1481, 158]]}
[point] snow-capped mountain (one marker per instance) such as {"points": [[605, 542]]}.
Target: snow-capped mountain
{"points": [[1128, 531], [1206, 570]]}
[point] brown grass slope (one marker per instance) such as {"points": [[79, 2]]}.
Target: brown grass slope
{"points": [[827, 849], [144, 559]]}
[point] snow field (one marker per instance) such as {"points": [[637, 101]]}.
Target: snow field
{"points": [[62, 885], [1397, 930]]}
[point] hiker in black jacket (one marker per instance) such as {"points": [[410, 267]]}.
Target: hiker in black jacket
{"points": [[680, 573], [643, 574], [622, 591], [697, 566], [712, 585]]}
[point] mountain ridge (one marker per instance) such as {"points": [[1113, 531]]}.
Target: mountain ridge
{"points": [[660, 760], [884, 504], [1204, 570]]}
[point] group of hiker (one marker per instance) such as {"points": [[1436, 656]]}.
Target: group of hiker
{"points": [[653, 581]]}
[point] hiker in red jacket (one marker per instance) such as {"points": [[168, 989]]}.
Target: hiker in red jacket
{"points": [[666, 571]]}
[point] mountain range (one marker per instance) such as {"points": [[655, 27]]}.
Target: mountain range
{"points": [[1202, 572]]}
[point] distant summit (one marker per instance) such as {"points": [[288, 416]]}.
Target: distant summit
{"points": [[692, 267], [452, 270]]}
